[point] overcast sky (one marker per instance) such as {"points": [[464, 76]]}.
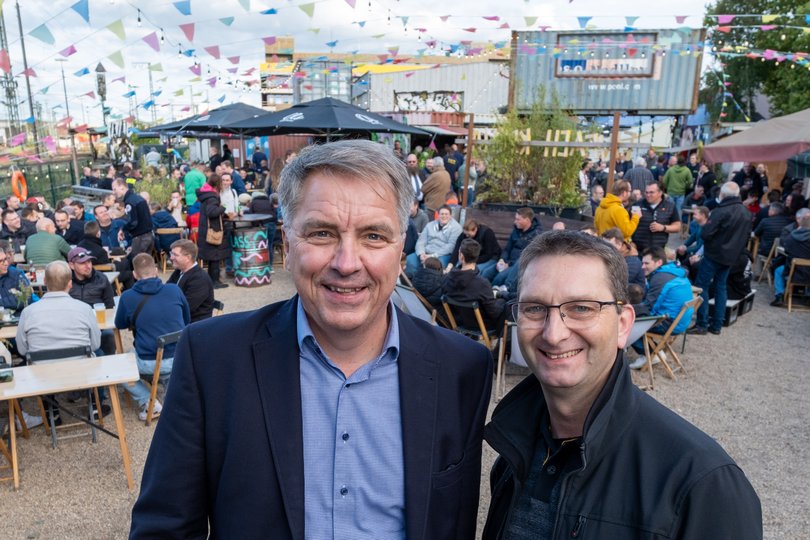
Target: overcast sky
{"points": [[372, 26]]}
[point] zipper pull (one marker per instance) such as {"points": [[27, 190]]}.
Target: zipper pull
{"points": [[578, 527]]}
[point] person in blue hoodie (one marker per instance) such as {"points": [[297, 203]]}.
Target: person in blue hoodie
{"points": [[668, 289], [162, 219], [150, 309]]}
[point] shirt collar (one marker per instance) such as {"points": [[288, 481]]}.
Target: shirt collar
{"points": [[391, 344]]}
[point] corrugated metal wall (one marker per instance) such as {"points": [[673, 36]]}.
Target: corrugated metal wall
{"points": [[483, 86], [674, 57]]}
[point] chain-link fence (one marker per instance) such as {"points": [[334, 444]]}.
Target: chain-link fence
{"points": [[52, 180]]}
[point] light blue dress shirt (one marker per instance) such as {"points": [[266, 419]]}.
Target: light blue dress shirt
{"points": [[354, 477]]}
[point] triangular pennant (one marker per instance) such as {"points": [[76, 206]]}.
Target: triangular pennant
{"points": [[90, 94], [470, 29], [212, 82], [221, 98], [196, 69], [82, 72], [148, 104], [213, 51], [122, 78], [530, 20], [332, 44], [152, 41], [5, 61], [314, 30], [492, 18], [583, 21], [156, 67], [179, 92], [42, 33], [309, 9], [630, 21], [233, 59], [351, 3], [82, 7], [117, 58], [232, 70], [129, 94], [157, 93], [67, 51], [404, 20], [188, 30], [444, 18], [117, 28], [271, 11], [680, 18], [184, 7], [271, 40], [504, 25], [227, 21], [769, 18], [725, 19]]}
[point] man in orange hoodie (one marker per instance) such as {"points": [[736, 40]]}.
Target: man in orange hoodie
{"points": [[612, 213]]}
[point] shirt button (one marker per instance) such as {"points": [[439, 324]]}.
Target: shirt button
{"points": [[344, 490], [348, 385], [345, 437]]}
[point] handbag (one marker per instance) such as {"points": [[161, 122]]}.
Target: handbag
{"points": [[214, 237]]}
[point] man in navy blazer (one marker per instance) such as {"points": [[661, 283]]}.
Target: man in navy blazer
{"points": [[333, 414]]}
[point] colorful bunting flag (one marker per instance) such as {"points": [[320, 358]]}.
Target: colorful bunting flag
{"points": [[129, 94], [50, 144], [157, 93], [725, 19], [213, 51], [17, 140], [315, 30], [148, 104], [82, 7], [90, 94], [29, 72], [504, 25], [179, 92], [117, 28], [221, 98], [492, 18], [351, 3], [68, 51], [188, 30], [309, 9], [332, 44], [583, 21], [5, 61], [233, 59], [196, 69], [122, 79], [470, 29], [152, 41], [769, 18], [271, 40], [680, 18], [156, 67], [184, 7], [245, 4], [630, 21], [212, 82], [232, 70], [42, 33], [444, 18], [227, 21], [530, 20]]}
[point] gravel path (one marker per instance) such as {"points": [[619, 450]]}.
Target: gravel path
{"points": [[748, 388]]}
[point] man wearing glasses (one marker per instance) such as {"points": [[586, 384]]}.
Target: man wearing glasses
{"points": [[583, 452]]}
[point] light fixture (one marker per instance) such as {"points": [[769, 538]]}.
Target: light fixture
{"points": [[139, 17]]}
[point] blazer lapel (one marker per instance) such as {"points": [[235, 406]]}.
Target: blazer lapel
{"points": [[417, 389], [277, 371]]}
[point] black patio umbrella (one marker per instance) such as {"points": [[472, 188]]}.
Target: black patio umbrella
{"points": [[326, 116], [214, 120]]}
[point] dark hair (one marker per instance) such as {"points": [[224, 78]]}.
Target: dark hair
{"points": [[567, 242], [470, 249], [433, 263], [620, 187], [91, 228], [635, 293], [525, 212], [470, 224], [774, 195], [656, 254], [186, 246], [214, 181]]}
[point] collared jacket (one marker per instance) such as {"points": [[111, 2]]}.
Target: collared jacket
{"points": [[490, 249], [612, 213], [518, 240], [726, 232], [11, 280], [137, 210], [645, 471], [668, 289], [94, 290]]}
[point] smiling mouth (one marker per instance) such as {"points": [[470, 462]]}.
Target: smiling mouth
{"points": [[344, 290], [567, 354]]}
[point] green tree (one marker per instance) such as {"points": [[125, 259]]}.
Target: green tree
{"points": [[788, 88]]}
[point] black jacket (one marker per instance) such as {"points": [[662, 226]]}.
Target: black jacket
{"points": [[519, 240], [490, 249], [139, 220], [210, 213], [429, 284], [94, 290], [18, 237], [74, 232], [646, 472], [664, 213], [798, 246], [726, 232], [769, 229], [93, 245], [198, 290], [468, 286]]}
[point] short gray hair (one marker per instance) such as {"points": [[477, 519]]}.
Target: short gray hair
{"points": [[567, 242], [729, 189], [641, 162], [438, 163], [366, 160], [57, 276]]}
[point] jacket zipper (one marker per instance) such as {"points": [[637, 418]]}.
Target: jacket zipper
{"points": [[578, 526], [565, 481]]}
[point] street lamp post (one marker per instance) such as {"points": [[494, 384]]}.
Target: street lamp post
{"points": [[70, 131], [101, 87]]}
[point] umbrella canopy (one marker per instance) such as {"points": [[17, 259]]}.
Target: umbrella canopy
{"points": [[212, 120], [325, 116], [771, 140]]}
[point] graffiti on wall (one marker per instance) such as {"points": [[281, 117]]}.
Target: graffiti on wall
{"points": [[439, 101]]}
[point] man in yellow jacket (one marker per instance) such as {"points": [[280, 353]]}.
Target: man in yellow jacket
{"points": [[612, 213]]}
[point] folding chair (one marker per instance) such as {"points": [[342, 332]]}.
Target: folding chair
{"points": [[767, 262], [468, 311], [409, 300], [408, 292], [791, 282], [58, 355], [219, 308], [655, 343], [162, 341], [164, 259], [515, 357]]}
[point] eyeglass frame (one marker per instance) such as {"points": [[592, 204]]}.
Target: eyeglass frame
{"points": [[514, 305]]}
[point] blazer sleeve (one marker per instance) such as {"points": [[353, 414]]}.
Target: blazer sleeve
{"points": [[195, 290], [172, 503]]}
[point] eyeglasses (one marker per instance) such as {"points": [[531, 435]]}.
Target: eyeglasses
{"points": [[576, 314], [4, 261]]}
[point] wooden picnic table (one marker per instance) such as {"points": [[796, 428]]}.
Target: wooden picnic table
{"points": [[9, 331]]}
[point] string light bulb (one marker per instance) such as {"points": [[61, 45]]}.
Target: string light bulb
{"points": [[162, 37], [139, 17]]}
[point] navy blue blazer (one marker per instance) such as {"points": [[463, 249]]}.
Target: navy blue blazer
{"points": [[227, 455]]}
